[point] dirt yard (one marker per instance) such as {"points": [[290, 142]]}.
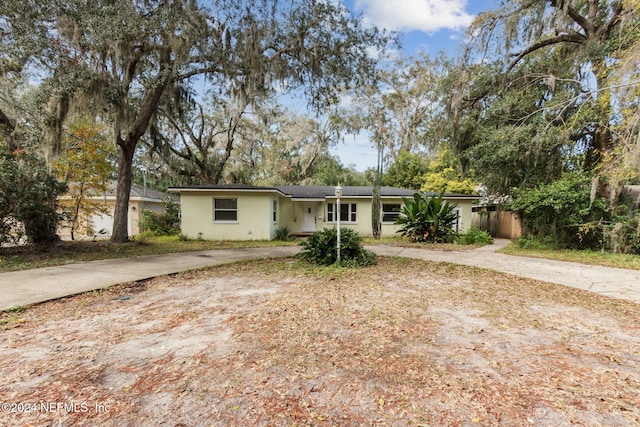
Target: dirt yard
{"points": [[403, 343]]}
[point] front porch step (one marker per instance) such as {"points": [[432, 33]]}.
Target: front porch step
{"points": [[302, 233]]}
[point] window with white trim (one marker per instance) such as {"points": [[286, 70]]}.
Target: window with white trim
{"points": [[348, 212], [456, 224], [225, 210], [390, 212], [274, 211]]}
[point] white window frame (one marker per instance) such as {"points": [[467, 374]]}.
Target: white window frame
{"points": [[394, 213], [352, 213], [215, 210], [458, 212], [274, 211]]}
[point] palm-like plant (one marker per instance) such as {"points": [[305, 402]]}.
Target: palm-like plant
{"points": [[428, 218]]}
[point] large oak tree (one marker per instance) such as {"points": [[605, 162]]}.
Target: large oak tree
{"points": [[536, 96], [120, 59]]}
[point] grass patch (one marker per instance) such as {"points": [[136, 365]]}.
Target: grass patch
{"points": [[60, 253], [18, 309], [406, 243], [590, 257]]}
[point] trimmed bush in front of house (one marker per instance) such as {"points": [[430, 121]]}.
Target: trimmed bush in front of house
{"points": [[320, 248], [474, 236]]}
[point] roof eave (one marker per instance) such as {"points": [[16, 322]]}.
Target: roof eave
{"points": [[180, 190]]}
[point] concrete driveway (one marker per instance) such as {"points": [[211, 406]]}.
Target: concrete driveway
{"points": [[25, 287], [32, 286], [612, 282]]}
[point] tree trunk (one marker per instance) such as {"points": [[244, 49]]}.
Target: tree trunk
{"points": [[126, 151], [7, 126], [376, 203], [120, 232]]}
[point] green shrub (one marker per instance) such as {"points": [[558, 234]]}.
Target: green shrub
{"points": [[28, 199], [428, 218], [474, 236], [283, 234], [558, 211], [162, 224], [621, 235], [320, 248], [531, 241]]}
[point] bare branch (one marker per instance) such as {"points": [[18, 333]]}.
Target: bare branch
{"points": [[583, 22]]}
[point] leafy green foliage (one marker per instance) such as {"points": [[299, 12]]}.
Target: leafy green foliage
{"points": [[427, 218], [406, 171], [531, 241], [28, 199], [329, 170], [320, 248], [162, 224], [544, 103], [283, 234], [557, 210], [474, 236], [139, 56], [442, 175]]}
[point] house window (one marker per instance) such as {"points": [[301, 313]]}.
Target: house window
{"points": [[390, 212], [225, 210], [456, 224], [348, 212], [274, 211]]}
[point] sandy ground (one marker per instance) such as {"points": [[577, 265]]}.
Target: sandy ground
{"points": [[269, 343]]}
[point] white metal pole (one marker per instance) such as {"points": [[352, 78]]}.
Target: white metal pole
{"points": [[338, 213], [338, 194]]}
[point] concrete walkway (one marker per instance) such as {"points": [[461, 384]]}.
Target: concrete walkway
{"points": [[32, 286]]}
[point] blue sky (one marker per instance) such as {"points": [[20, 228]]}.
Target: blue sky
{"points": [[429, 26]]}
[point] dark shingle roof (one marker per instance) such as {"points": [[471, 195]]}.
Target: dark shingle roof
{"points": [[323, 191], [139, 192], [224, 187], [315, 191]]}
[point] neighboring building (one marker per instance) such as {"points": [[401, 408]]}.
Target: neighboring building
{"points": [[246, 212], [139, 199]]}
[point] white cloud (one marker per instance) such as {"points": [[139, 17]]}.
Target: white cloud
{"points": [[421, 15]]}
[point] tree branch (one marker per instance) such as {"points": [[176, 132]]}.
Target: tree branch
{"points": [[605, 32], [562, 38], [583, 22]]}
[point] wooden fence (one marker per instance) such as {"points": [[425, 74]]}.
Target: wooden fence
{"points": [[504, 224]]}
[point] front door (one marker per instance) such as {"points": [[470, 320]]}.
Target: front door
{"points": [[309, 217]]}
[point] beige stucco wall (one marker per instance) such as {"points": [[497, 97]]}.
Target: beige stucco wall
{"points": [[254, 216], [363, 216], [105, 221], [465, 214], [363, 223], [136, 207], [287, 215]]}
